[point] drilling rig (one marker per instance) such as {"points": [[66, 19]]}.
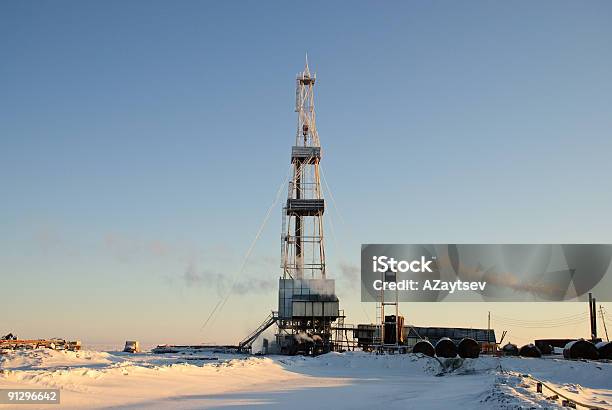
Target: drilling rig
{"points": [[307, 303]]}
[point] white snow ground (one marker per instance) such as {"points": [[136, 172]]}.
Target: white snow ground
{"points": [[90, 379]]}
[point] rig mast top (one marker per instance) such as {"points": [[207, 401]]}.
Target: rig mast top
{"points": [[304, 106]]}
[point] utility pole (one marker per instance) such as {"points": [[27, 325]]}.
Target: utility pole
{"points": [[592, 315], [489, 332], [603, 320], [594, 320]]}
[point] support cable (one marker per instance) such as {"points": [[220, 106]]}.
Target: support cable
{"points": [[222, 301]]}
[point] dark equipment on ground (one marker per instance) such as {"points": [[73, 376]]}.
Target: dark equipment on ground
{"points": [[546, 349], [132, 346], [580, 349], [484, 337], [605, 350], [510, 349], [55, 344], [446, 348], [530, 350], [163, 349], [394, 327], [365, 335], [468, 348], [424, 347], [10, 336], [306, 344], [547, 346], [167, 349]]}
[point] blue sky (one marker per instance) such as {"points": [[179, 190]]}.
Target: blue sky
{"points": [[141, 144]]}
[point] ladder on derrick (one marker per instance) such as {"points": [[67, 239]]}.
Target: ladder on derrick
{"points": [[381, 316]]}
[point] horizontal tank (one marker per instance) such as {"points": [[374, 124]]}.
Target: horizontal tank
{"points": [[468, 348], [510, 349], [580, 349], [446, 348], [605, 350], [530, 350], [424, 347]]}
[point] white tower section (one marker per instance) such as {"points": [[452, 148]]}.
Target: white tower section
{"points": [[303, 252]]}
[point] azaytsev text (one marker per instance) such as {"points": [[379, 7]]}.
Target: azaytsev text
{"points": [[430, 284]]}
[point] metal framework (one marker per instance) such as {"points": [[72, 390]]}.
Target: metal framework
{"points": [[307, 302], [392, 323], [303, 253]]}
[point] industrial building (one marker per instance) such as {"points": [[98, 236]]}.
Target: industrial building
{"points": [[368, 334]]}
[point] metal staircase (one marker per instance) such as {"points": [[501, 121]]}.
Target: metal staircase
{"points": [[247, 342]]}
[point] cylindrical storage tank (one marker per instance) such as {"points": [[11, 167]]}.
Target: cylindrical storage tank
{"points": [[468, 348], [424, 347], [530, 350], [446, 348], [510, 350], [605, 350], [580, 349]]}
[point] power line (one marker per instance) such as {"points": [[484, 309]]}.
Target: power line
{"points": [[569, 317], [564, 321], [544, 326]]}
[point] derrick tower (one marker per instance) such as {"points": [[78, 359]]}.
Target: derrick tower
{"points": [[307, 301], [303, 254]]}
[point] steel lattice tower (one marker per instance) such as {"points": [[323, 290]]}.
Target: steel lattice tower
{"points": [[307, 303], [303, 252]]}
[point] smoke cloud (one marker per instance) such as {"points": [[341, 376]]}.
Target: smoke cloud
{"points": [[192, 277], [303, 337]]}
